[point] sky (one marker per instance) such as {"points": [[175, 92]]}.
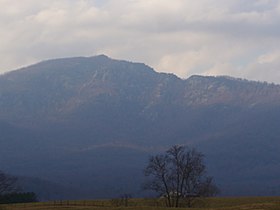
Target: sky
{"points": [[238, 38]]}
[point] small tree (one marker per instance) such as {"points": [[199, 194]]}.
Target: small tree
{"points": [[7, 183], [179, 174]]}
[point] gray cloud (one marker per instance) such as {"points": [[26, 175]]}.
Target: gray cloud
{"points": [[208, 37]]}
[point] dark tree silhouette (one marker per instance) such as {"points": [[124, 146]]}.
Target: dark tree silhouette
{"points": [[23, 197], [179, 175], [7, 183]]}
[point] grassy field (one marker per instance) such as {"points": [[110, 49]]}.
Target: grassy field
{"points": [[242, 203]]}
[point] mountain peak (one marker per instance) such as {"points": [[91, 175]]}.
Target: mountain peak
{"points": [[102, 56]]}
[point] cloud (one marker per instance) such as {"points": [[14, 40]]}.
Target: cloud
{"points": [[265, 66], [207, 37], [269, 58]]}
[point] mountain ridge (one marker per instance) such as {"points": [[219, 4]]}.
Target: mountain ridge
{"points": [[104, 117], [197, 90]]}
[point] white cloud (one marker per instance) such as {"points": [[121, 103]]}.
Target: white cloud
{"points": [[265, 66], [269, 57], [208, 37]]}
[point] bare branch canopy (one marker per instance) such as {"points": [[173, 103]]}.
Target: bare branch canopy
{"points": [[179, 175]]}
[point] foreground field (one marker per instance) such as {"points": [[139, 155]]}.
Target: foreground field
{"points": [[243, 203]]}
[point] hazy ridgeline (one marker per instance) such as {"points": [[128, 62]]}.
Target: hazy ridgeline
{"points": [[85, 127]]}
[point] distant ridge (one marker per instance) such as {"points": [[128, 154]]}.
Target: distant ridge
{"points": [[60, 113]]}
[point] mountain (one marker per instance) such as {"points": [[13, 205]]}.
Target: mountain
{"points": [[90, 124]]}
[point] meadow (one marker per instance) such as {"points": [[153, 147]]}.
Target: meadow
{"points": [[224, 203]]}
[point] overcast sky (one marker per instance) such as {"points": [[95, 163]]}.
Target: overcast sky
{"points": [[239, 38]]}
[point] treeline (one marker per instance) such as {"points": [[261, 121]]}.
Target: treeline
{"points": [[26, 197], [9, 191]]}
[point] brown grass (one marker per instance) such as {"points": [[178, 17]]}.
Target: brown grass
{"points": [[241, 203]]}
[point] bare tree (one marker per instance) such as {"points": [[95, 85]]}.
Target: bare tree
{"points": [[7, 183], [179, 174]]}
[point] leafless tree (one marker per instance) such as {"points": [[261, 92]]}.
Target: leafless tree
{"points": [[179, 175], [7, 183]]}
